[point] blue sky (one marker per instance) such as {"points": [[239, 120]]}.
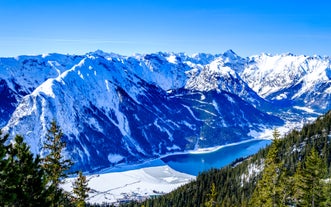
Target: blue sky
{"points": [[144, 26]]}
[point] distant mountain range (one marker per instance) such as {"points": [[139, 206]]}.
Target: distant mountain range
{"points": [[118, 109]]}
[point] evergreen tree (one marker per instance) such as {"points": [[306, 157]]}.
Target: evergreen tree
{"points": [[327, 193], [3, 168], [298, 177], [285, 188], [31, 188], [55, 165], [276, 134], [310, 183], [80, 190], [212, 197], [268, 191], [23, 183]]}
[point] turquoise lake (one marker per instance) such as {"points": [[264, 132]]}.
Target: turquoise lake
{"points": [[194, 163]]}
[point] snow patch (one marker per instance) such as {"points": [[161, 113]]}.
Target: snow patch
{"points": [[173, 147], [216, 106], [230, 99], [115, 158], [172, 59], [281, 96], [306, 109], [162, 129], [252, 171], [46, 88]]}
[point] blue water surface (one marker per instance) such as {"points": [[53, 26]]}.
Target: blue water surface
{"points": [[193, 164]]}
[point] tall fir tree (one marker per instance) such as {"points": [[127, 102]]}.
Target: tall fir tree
{"points": [[31, 189], [276, 134], [80, 190], [55, 165], [268, 191], [310, 180], [327, 193], [212, 197], [298, 191], [22, 181]]}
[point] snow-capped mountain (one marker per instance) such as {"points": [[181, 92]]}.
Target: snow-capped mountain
{"points": [[303, 80], [114, 109], [22, 75]]}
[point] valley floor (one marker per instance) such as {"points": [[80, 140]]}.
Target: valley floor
{"points": [[138, 184]]}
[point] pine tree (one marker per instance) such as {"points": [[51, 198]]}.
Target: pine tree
{"points": [[285, 188], [212, 197], [298, 185], [327, 193], [55, 165], [276, 134], [23, 177], [310, 183], [3, 169], [268, 191], [80, 190], [31, 186]]}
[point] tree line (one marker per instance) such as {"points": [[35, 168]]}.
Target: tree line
{"points": [[292, 171], [30, 180]]}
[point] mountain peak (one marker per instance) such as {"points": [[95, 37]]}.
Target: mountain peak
{"points": [[231, 55], [145, 106], [230, 52]]}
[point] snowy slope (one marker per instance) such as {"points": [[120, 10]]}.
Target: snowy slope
{"points": [[20, 76], [97, 93], [301, 79], [116, 109]]}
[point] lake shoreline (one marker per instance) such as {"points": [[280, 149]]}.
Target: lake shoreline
{"points": [[217, 157], [159, 161]]}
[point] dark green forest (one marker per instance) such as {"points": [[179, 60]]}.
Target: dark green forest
{"points": [[292, 171]]}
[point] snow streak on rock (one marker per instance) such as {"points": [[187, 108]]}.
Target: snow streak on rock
{"points": [[115, 109]]}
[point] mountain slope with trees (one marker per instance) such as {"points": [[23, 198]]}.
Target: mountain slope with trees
{"points": [[292, 171]]}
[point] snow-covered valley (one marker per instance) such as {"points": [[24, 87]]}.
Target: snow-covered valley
{"points": [[125, 183], [135, 184]]}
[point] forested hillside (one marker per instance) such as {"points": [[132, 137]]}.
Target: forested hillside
{"points": [[292, 171]]}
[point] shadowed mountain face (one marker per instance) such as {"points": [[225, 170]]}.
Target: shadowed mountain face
{"points": [[115, 109]]}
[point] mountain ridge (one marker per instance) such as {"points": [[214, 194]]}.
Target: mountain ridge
{"points": [[143, 106]]}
